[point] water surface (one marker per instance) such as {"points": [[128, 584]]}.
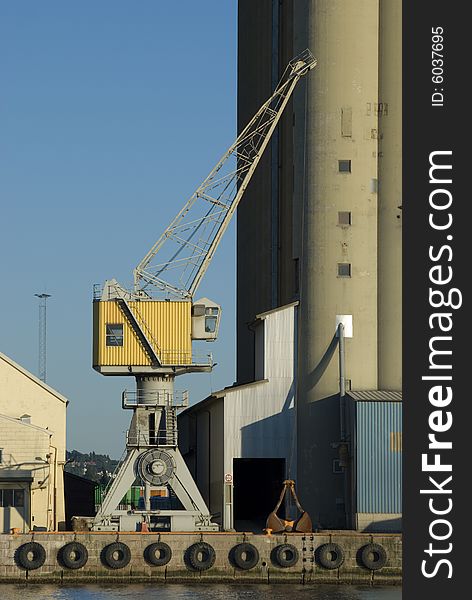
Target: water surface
{"points": [[174, 591]]}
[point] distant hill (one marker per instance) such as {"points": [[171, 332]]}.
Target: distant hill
{"points": [[97, 467]]}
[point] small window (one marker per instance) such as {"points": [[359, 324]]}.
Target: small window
{"points": [[19, 498], [7, 499], [1, 455], [114, 334], [198, 310], [344, 218], [211, 318], [344, 269], [210, 324], [344, 166]]}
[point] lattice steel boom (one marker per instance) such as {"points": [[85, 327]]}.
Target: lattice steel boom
{"points": [[42, 356], [179, 259]]}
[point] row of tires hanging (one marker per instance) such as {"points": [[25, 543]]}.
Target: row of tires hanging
{"points": [[199, 556]]}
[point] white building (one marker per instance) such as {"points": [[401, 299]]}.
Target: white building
{"points": [[32, 451], [240, 442]]}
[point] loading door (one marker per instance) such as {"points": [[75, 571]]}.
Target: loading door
{"points": [[257, 486]]}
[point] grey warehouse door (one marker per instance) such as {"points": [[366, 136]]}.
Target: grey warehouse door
{"points": [[257, 486], [14, 507]]}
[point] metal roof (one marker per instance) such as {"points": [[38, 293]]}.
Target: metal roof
{"points": [[263, 315], [375, 396], [9, 475], [220, 394]]}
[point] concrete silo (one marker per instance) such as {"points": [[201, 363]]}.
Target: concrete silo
{"points": [[321, 222], [390, 196], [338, 253]]}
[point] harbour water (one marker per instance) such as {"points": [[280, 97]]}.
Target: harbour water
{"points": [[198, 592]]}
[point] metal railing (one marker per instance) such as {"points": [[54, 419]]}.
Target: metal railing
{"points": [[186, 359], [160, 437], [135, 399], [112, 291]]}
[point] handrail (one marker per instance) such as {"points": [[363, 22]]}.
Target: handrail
{"points": [[137, 398], [159, 437]]}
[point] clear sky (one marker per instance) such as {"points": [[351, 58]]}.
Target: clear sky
{"points": [[111, 114]]}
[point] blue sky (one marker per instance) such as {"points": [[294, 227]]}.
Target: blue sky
{"points": [[111, 114]]}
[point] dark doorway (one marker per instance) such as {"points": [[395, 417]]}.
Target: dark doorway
{"points": [[257, 486], [79, 495]]}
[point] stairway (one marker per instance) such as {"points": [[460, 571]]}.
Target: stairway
{"points": [[171, 425], [146, 344]]}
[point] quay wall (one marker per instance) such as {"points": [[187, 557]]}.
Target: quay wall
{"points": [[306, 570]]}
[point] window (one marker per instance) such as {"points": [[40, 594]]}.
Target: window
{"points": [[344, 218], [11, 497], [344, 166], [7, 498], [198, 310], [1, 455], [211, 318], [114, 334], [19, 498], [344, 269]]}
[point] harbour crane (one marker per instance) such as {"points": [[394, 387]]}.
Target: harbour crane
{"points": [[147, 332]]}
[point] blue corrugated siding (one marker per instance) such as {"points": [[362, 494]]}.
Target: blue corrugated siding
{"points": [[379, 457]]}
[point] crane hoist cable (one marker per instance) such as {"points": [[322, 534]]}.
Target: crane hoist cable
{"points": [[177, 262]]}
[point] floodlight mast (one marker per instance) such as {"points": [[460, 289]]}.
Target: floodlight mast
{"points": [[187, 246]]}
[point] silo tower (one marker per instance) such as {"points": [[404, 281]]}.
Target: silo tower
{"points": [[328, 217]]}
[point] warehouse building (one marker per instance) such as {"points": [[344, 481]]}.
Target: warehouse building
{"points": [[239, 443], [375, 467], [32, 451]]}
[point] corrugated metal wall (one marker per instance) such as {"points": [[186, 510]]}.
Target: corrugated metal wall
{"points": [[379, 457], [166, 324]]}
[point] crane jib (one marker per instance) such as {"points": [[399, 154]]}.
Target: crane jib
{"points": [[177, 262]]}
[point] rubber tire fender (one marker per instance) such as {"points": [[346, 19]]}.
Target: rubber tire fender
{"points": [[373, 556], [38, 552], [158, 554], [252, 556], [73, 555], [208, 556], [330, 556], [286, 555], [116, 563]]}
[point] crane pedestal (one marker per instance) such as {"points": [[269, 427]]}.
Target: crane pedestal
{"points": [[154, 459]]}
